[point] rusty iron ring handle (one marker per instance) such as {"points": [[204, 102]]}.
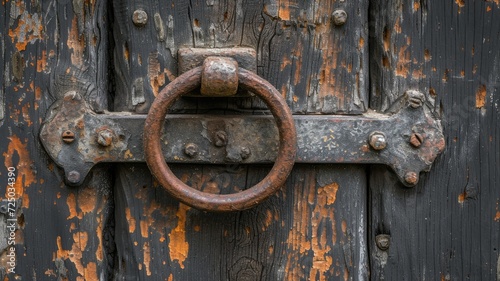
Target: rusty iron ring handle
{"points": [[248, 198]]}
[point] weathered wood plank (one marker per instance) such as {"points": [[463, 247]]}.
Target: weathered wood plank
{"points": [[317, 66], [314, 229], [47, 48], [448, 227]]}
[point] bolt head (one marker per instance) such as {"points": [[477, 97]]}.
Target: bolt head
{"points": [[339, 17], [73, 177], [383, 241], [245, 152], [416, 139], [105, 137], [68, 136], [220, 138], [140, 17], [191, 149], [411, 178], [377, 140]]}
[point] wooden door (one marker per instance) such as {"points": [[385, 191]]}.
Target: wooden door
{"points": [[325, 222]]}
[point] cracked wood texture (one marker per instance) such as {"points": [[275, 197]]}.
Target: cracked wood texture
{"points": [[46, 49], [315, 228], [448, 227]]}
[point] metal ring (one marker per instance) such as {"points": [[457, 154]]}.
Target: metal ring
{"points": [[248, 198]]}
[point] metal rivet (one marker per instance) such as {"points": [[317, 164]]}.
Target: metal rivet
{"points": [[245, 152], [68, 136], [377, 140], [220, 138], [73, 177], [191, 150], [339, 17], [383, 241], [140, 17], [105, 137], [411, 178], [416, 139]]}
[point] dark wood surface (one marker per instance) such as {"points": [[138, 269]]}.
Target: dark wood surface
{"points": [[314, 229], [317, 66], [47, 48], [448, 227]]}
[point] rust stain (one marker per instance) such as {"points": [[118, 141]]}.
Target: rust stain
{"points": [[144, 228], [24, 174], [26, 114], [71, 202], [147, 257], [322, 259], [481, 96], [308, 235], [446, 75], [418, 74], [270, 217], [387, 38], [344, 227], [432, 92], [76, 43], [170, 277], [461, 197], [416, 6], [385, 62], [361, 43], [26, 201], [157, 78], [41, 63], [284, 10], [99, 230], [327, 79], [461, 4], [211, 187], [427, 55], [49, 272], [38, 97], [397, 26], [126, 53], [330, 193], [297, 53], [131, 220], [29, 27], [285, 61], [128, 154], [80, 240], [178, 245], [402, 65], [488, 9], [497, 216], [87, 199]]}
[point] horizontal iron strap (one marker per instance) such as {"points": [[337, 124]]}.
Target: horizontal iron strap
{"points": [[254, 139], [76, 138]]}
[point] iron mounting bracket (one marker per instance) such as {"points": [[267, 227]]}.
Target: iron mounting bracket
{"points": [[408, 141]]}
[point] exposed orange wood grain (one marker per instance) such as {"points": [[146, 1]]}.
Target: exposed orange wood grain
{"points": [[24, 174], [76, 43], [147, 257], [131, 220], [178, 245], [75, 255], [481, 96], [87, 199]]}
